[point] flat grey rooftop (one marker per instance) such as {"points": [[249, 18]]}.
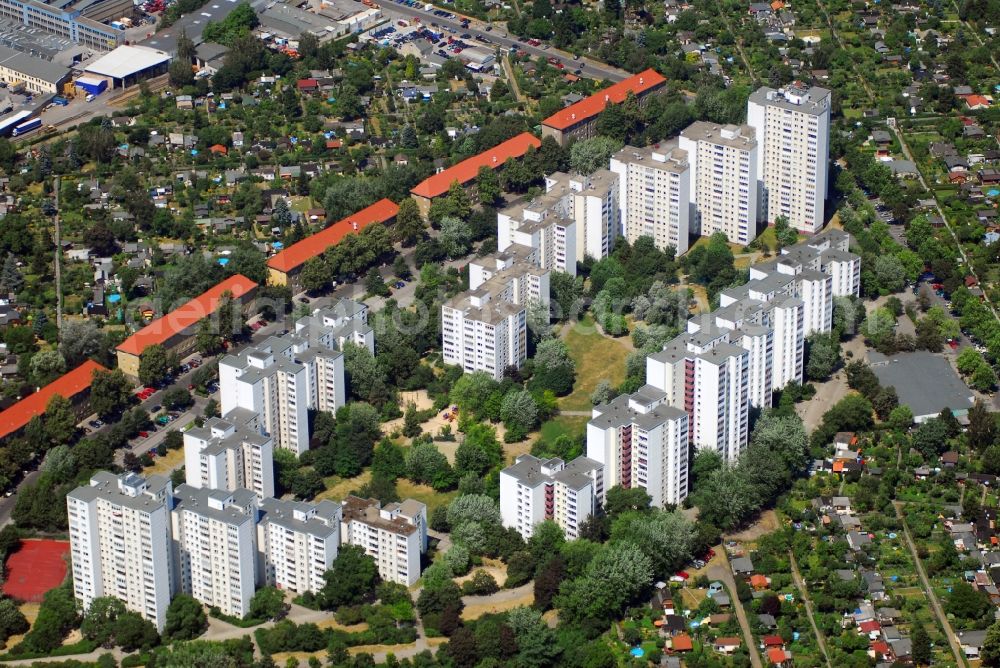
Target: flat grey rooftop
{"points": [[924, 381]]}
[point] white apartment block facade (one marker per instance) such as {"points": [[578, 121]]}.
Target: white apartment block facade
{"points": [[274, 384], [534, 490], [592, 203], [215, 539], [654, 185], [141, 541], [224, 455], [542, 226], [119, 533], [724, 188], [394, 535], [793, 136], [485, 328], [298, 542], [753, 344], [642, 442]]}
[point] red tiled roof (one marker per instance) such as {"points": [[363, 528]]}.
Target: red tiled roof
{"points": [[976, 101], [305, 84], [869, 626], [681, 643], [67, 386], [729, 641], [175, 322], [466, 170], [218, 148], [297, 254], [880, 647], [593, 105], [776, 655], [773, 641]]}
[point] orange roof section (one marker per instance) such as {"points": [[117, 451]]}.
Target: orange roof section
{"points": [[160, 330], [67, 386], [595, 104], [297, 254], [466, 170]]}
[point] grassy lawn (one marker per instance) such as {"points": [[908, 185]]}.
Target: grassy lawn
{"points": [[424, 494], [563, 424], [165, 464], [597, 357], [337, 489]]}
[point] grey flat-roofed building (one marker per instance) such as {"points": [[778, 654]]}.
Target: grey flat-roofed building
{"points": [[924, 381]]}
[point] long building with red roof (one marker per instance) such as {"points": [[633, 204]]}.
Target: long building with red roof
{"points": [[578, 120], [176, 330], [73, 386], [284, 267], [465, 172]]}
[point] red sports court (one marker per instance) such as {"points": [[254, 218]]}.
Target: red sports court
{"points": [[40, 565]]}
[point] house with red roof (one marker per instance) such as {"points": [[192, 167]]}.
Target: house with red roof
{"points": [[465, 172], [975, 102], [681, 643], [777, 656], [284, 267], [176, 330], [307, 85], [871, 628], [73, 386], [218, 149], [579, 120]]}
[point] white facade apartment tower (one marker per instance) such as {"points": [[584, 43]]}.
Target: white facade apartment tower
{"points": [[394, 535], [724, 173], [793, 134], [590, 201], [485, 328], [654, 185], [224, 455], [298, 542], [534, 490], [119, 533], [215, 540], [642, 442]]}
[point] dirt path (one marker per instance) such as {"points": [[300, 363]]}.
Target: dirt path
{"points": [[956, 647], [724, 572], [801, 585]]}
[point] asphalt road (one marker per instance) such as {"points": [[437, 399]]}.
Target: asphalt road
{"points": [[500, 38]]}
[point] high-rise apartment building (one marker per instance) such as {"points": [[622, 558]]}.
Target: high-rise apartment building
{"points": [[298, 542], [641, 442], [394, 535], [225, 455], [707, 377], [119, 534], [723, 192], [215, 543], [275, 383], [544, 229], [534, 490], [653, 195], [792, 125], [485, 328], [592, 202]]}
